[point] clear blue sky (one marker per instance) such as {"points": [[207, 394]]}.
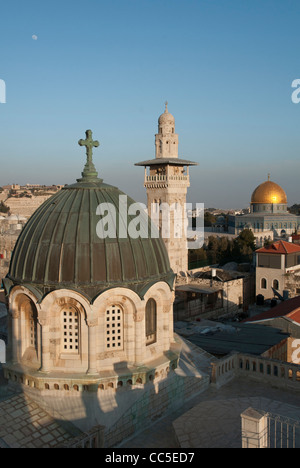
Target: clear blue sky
{"points": [[225, 67]]}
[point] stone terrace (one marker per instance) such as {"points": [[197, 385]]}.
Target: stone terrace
{"points": [[23, 424]]}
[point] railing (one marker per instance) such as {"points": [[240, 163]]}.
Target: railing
{"points": [[166, 178], [262, 429], [280, 374], [88, 440], [283, 432]]}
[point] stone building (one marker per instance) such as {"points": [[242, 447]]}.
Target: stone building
{"points": [[166, 184], [286, 317], [10, 229], [210, 293], [278, 270], [268, 217], [90, 319], [81, 304]]}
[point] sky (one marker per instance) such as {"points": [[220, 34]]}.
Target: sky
{"points": [[225, 68]]}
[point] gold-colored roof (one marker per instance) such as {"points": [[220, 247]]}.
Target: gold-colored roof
{"points": [[269, 192]]}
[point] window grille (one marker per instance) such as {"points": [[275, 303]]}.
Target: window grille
{"points": [[71, 331], [114, 328]]}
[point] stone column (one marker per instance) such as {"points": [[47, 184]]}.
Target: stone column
{"points": [[92, 346], [44, 344], [167, 326], [15, 336], [140, 337], [254, 429]]}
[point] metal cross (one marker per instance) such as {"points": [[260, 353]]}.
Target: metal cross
{"points": [[89, 143]]}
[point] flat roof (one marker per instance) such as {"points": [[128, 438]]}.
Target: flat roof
{"points": [[244, 338], [197, 289]]}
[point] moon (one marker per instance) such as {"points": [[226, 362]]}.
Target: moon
{"points": [[34, 37]]}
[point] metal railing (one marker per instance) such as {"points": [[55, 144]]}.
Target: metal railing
{"points": [[283, 432], [261, 429], [88, 440]]}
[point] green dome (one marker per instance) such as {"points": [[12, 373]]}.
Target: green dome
{"points": [[59, 246]]}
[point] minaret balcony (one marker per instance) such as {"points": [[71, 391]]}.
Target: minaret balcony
{"points": [[166, 178]]}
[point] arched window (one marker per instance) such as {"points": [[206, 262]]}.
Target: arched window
{"points": [[114, 328], [31, 325], [71, 330], [263, 283], [151, 322], [276, 284]]}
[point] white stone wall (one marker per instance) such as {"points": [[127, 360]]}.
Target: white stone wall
{"points": [[93, 356], [270, 274]]}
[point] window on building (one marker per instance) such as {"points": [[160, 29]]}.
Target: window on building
{"points": [[151, 322], [31, 325], [114, 328], [71, 330], [276, 284], [263, 283]]}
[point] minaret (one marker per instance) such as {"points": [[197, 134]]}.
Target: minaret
{"points": [[166, 182]]}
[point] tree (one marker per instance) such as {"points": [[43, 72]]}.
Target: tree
{"points": [[247, 238], [3, 208], [209, 219], [244, 246]]}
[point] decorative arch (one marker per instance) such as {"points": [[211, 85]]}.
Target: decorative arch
{"points": [[14, 298], [65, 315], [58, 298], [119, 312], [24, 311]]}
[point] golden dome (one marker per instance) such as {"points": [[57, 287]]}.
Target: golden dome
{"points": [[269, 192]]}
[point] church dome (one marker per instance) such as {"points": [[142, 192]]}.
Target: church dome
{"points": [[269, 193], [60, 246]]}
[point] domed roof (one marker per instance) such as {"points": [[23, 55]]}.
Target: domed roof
{"points": [[269, 192], [60, 246], [166, 118]]}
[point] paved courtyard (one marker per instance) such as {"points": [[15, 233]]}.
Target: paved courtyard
{"points": [[23, 424], [212, 419]]}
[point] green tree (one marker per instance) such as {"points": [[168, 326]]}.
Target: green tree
{"points": [[244, 246], [209, 219], [3, 208], [247, 238]]}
